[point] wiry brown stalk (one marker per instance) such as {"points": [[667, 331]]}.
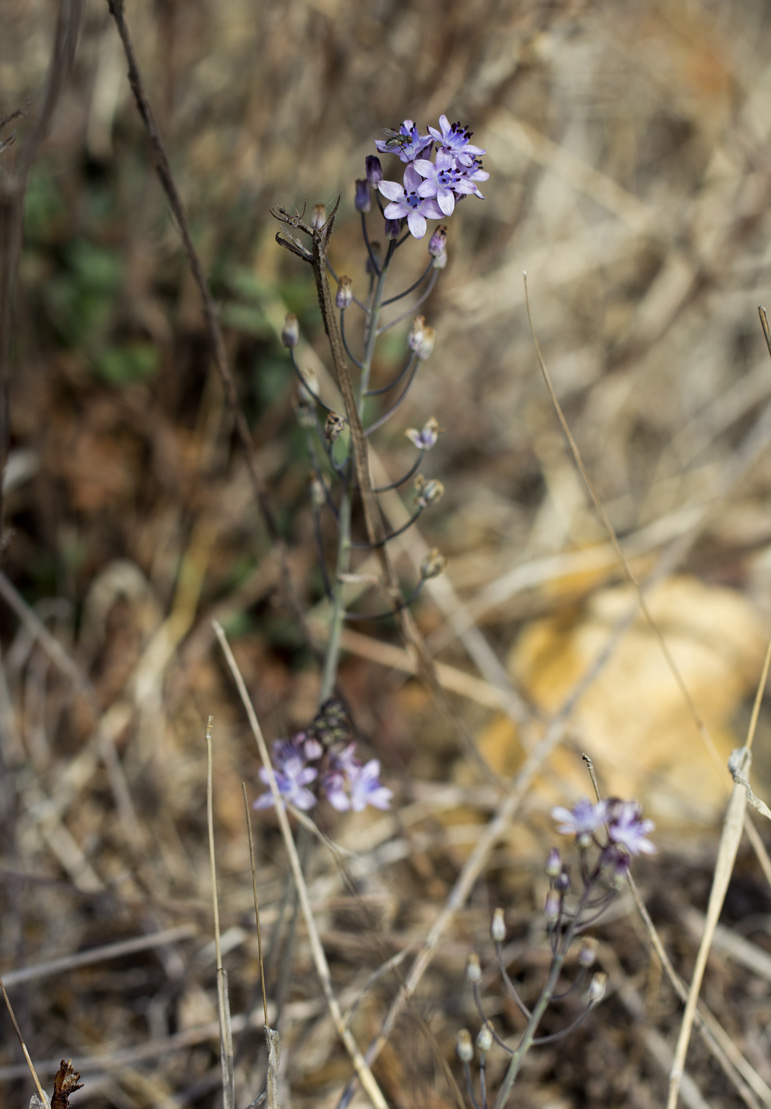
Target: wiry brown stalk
{"points": [[13, 185], [163, 169]]}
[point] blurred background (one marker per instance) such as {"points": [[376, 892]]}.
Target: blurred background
{"points": [[628, 152]]}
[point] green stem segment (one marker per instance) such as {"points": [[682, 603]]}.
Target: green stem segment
{"points": [[542, 1004], [332, 653]]}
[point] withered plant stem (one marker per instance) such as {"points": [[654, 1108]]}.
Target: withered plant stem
{"points": [[163, 169]]}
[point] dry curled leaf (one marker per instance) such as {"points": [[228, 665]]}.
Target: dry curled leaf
{"points": [[65, 1084]]}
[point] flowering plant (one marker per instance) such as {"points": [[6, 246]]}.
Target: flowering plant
{"points": [[430, 189], [441, 167], [608, 835], [321, 761]]}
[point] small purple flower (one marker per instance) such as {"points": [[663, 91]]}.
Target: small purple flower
{"points": [[426, 438], [467, 183], [407, 203], [583, 820], [441, 180], [627, 829], [293, 775], [367, 789], [349, 785], [454, 137], [406, 142], [554, 863]]}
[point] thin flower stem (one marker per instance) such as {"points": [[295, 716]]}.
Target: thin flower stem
{"points": [[513, 991], [488, 1024], [305, 384], [368, 244], [403, 604], [470, 1086], [540, 1007], [397, 403], [406, 477], [483, 1082], [412, 287], [320, 549], [366, 545], [332, 655], [413, 307], [352, 357], [539, 1040], [386, 388]]}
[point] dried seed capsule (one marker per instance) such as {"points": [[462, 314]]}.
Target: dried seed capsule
{"points": [[498, 927], [484, 1039], [432, 564], [334, 426], [473, 969], [597, 987], [464, 1048], [290, 333], [344, 295]]}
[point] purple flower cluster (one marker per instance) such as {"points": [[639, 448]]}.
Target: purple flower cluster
{"points": [[307, 770], [430, 188], [626, 830]]}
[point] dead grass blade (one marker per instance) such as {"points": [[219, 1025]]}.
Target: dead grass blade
{"points": [[17, 1030], [363, 1071], [272, 1037], [223, 1001]]}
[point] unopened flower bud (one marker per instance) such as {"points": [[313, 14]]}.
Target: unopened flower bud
{"points": [[473, 969], [464, 1047], [374, 170], [421, 338], [553, 863], [426, 438], [393, 228], [318, 494], [587, 952], [432, 564], [440, 262], [438, 242], [290, 333], [597, 987], [562, 881], [484, 1039], [498, 927], [344, 295], [334, 426], [428, 492], [319, 217], [551, 909], [375, 248], [362, 201]]}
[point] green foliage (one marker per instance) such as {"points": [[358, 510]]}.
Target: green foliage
{"points": [[81, 298], [122, 365]]}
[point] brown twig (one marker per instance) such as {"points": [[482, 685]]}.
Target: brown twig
{"points": [[13, 186], [163, 169]]}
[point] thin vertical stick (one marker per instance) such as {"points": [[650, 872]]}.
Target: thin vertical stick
{"points": [[363, 1071], [214, 331], [272, 1040], [726, 857], [223, 1000], [44, 1100]]}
